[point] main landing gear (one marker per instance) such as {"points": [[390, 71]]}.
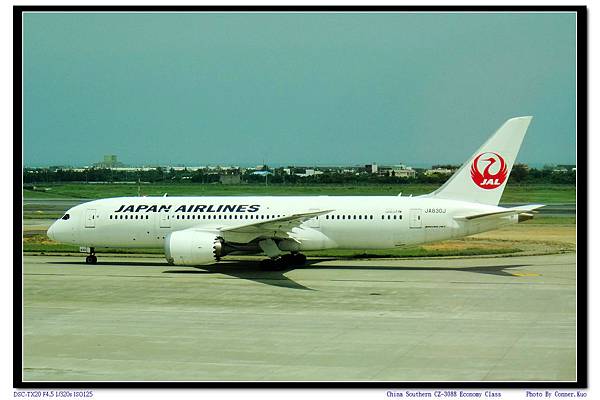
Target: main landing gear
{"points": [[91, 259], [284, 261]]}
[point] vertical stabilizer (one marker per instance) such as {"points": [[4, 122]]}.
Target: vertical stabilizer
{"points": [[483, 177]]}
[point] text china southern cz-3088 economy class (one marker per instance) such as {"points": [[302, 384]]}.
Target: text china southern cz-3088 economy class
{"points": [[201, 230]]}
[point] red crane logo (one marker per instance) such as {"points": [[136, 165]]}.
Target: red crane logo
{"points": [[487, 179]]}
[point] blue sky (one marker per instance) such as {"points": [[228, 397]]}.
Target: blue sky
{"points": [[295, 88]]}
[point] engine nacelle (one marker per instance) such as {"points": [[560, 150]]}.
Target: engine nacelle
{"points": [[193, 248]]}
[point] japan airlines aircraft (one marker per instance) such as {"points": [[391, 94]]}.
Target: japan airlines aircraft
{"points": [[201, 230]]}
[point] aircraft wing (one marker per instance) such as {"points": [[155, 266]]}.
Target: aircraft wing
{"points": [[503, 213], [276, 227]]}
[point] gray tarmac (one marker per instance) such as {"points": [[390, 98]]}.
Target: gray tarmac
{"points": [[139, 319]]}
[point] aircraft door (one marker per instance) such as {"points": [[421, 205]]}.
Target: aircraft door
{"points": [[415, 218], [165, 220], [90, 218]]}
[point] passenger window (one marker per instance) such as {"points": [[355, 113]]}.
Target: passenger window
{"points": [[389, 217], [110, 217]]}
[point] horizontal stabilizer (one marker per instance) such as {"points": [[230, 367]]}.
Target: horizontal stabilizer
{"points": [[501, 213]]}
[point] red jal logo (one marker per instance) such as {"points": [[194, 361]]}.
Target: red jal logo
{"points": [[488, 179]]}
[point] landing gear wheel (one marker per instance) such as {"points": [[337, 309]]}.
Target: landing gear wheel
{"points": [[298, 259], [91, 259], [273, 264], [295, 259]]}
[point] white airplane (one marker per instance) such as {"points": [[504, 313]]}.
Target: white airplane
{"points": [[201, 230]]}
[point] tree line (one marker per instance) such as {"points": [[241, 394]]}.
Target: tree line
{"points": [[520, 174]]}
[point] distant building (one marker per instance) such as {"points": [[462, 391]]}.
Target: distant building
{"points": [[310, 172], [564, 168], [262, 173], [400, 171], [439, 171], [110, 161], [180, 168], [371, 168]]}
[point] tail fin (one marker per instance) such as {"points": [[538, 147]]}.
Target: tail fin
{"points": [[483, 177]]}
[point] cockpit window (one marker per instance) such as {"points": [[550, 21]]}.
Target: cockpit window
{"points": [[66, 217]]}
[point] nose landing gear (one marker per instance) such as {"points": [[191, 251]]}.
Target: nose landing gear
{"points": [[91, 259]]}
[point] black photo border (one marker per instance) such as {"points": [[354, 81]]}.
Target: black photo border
{"points": [[581, 227]]}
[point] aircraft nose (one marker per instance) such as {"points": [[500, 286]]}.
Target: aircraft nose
{"points": [[52, 231]]}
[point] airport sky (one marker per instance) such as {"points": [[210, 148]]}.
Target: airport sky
{"points": [[295, 88]]}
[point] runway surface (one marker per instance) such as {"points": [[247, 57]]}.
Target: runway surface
{"points": [[375, 320]]}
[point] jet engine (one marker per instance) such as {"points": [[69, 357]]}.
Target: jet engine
{"points": [[193, 248]]}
